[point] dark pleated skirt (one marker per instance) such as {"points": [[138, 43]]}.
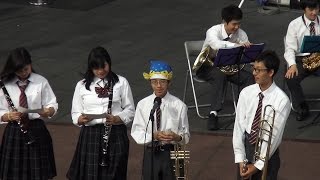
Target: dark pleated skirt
{"points": [[19, 161], [86, 160]]}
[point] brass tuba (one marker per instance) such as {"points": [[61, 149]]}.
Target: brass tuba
{"points": [[206, 57], [180, 157], [311, 62], [265, 135]]}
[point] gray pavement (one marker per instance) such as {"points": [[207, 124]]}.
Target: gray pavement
{"points": [[61, 36]]}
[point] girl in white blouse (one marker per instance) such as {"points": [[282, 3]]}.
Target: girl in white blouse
{"points": [[108, 95], [26, 149]]}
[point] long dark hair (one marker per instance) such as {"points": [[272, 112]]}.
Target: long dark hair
{"points": [[97, 59], [18, 58]]}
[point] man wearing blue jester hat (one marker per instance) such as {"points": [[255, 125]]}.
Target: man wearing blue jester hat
{"points": [[170, 123]]}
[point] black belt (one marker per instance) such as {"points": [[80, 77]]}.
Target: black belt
{"points": [[159, 147]]}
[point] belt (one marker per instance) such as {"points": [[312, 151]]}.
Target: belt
{"points": [[160, 147]]}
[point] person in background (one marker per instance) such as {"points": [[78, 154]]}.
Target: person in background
{"points": [[224, 35], [307, 24]]}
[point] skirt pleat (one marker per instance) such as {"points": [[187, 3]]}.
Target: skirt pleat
{"points": [[87, 157], [19, 161]]}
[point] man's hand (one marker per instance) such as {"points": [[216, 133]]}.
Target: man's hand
{"points": [[246, 44], [167, 136], [292, 71], [247, 174]]}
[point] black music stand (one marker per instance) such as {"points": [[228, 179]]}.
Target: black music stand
{"points": [[228, 56], [310, 44], [251, 53]]}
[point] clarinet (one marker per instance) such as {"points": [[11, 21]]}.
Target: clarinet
{"points": [[107, 130], [28, 137]]}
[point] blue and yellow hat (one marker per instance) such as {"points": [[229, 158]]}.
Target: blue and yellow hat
{"points": [[158, 70]]}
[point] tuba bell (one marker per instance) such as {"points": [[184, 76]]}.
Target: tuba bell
{"points": [[311, 62], [265, 135], [206, 57]]}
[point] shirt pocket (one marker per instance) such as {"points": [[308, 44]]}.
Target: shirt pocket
{"points": [[116, 97], [34, 97]]}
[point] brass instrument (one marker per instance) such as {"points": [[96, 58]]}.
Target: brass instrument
{"points": [[311, 62], [206, 57], [264, 136], [180, 157]]}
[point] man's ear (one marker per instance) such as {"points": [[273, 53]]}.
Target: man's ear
{"points": [[271, 72]]}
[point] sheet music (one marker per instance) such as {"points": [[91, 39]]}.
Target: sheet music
{"points": [[24, 110], [238, 55], [96, 116]]}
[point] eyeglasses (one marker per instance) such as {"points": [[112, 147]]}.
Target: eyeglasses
{"points": [[161, 82], [258, 70]]}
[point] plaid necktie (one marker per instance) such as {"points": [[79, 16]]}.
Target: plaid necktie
{"points": [[158, 118], [312, 29], [256, 121]]}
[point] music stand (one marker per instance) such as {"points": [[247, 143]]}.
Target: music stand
{"points": [[310, 44], [227, 56], [251, 53]]}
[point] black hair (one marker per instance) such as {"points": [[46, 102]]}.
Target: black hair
{"points": [[309, 3], [270, 59], [97, 59], [231, 12], [17, 59]]}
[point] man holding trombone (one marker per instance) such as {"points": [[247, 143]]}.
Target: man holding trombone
{"points": [[261, 115]]}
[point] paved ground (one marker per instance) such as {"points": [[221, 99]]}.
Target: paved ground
{"points": [[211, 156], [61, 35]]}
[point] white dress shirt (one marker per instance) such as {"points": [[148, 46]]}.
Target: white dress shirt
{"points": [[246, 109], [88, 102], [297, 29], [173, 117], [39, 95], [216, 34]]}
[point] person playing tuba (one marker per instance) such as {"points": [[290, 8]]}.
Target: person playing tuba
{"points": [[226, 34], [251, 105], [301, 65]]}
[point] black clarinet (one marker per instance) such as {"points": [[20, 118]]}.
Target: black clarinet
{"points": [[107, 130], [28, 137]]}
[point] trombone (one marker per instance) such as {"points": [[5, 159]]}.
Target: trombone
{"points": [[265, 135], [181, 160]]}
